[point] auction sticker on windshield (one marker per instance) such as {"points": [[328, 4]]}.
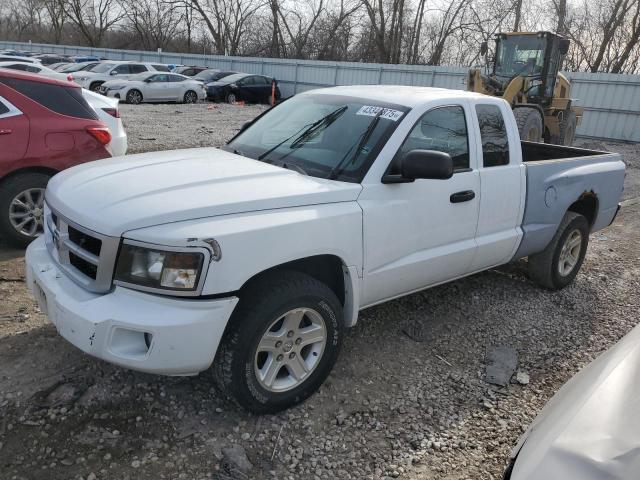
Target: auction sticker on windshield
{"points": [[388, 113]]}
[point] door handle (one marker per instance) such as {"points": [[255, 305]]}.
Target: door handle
{"points": [[460, 197], [5, 131]]}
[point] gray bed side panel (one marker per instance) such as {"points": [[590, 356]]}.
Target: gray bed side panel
{"points": [[553, 185]]}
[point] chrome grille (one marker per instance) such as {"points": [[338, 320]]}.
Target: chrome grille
{"points": [[86, 256]]}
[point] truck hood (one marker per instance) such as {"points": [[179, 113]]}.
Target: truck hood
{"points": [[119, 194], [589, 429]]}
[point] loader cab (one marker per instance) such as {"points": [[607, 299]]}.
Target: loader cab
{"points": [[536, 56]]}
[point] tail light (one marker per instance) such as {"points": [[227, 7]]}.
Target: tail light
{"points": [[114, 112], [70, 77], [101, 134]]}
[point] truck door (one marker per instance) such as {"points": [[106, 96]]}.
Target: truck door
{"points": [[502, 180], [14, 131], [422, 232]]}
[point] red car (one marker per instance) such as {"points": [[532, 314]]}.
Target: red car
{"points": [[45, 127]]}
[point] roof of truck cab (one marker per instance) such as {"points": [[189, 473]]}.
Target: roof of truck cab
{"points": [[398, 94]]}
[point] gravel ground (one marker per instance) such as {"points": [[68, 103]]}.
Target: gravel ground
{"points": [[393, 407]]}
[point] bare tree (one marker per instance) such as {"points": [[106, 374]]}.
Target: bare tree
{"points": [[93, 18]]}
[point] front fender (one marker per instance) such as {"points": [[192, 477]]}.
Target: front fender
{"points": [[253, 242]]}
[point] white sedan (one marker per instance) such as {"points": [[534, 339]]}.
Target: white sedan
{"points": [[155, 87], [35, 68], [108, 111]]}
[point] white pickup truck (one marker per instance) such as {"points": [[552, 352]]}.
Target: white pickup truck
{"points": [[254, 258]]}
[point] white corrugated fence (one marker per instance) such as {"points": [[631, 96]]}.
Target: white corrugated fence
{"points": [[611, 101]]}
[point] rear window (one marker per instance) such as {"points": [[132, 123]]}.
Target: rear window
{"points": [[63, 100], [493, 133]]}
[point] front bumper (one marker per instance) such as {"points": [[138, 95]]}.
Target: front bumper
{"points": [[144, 332]]}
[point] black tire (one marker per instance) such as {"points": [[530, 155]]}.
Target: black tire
{"points": [[262, 303], [544, 267], [134, 97], [530, 124], [231, 98], [568, 128], [95, 87], [190, 97], [10, 189]]}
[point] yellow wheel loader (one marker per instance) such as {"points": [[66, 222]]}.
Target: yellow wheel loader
{"points": [[525, 72]]}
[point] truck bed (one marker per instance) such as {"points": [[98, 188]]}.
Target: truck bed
{"points": [[536, 152], [559, 176]]}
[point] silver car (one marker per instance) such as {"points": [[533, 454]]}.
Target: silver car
{"points": [[155, 87]]}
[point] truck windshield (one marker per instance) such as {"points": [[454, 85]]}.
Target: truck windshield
{"points": [[520, 55], [327, 136]]}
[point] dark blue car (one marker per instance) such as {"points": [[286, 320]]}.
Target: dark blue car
{"points": [[243, 87]]}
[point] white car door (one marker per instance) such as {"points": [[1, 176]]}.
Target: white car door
{"points": [[175, 87], [502, 179], [421, 233], [156, 87]]}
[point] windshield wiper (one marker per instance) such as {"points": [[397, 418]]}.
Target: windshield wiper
{"points": [[306, 130], [340, 166]]}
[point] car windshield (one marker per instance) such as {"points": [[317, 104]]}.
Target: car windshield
{"points": [[322, 135], [103, 67], [232, 78], [75, 67], [520, 55], [206, 75]]}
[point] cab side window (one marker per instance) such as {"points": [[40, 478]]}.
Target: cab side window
{"points": [[443, 129], [493, 132]]}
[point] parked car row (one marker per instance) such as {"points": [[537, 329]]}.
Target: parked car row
{"points": [[111, 78]]}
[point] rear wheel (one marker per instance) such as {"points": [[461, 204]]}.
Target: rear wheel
{"points": [[22, 208], [529, 124], [568, 128], [557, 266], [281, 343], [134, 97], [190, 97]]}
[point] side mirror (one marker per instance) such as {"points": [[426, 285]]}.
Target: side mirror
{"points": [[245, 125], [113, 72], [234, 85], [428, 164], [484, 48], [563, 46]]}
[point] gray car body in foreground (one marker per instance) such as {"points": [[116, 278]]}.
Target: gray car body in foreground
{"points": [[590, 429], [154, 87]]}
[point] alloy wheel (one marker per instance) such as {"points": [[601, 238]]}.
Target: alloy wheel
{"points": [[290, 350], [570, 253], [26, 212]]}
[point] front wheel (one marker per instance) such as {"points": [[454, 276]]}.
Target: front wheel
{"points": [[529, 123], [22, 208], [281, 343], [231, 98], [557, 266], [134, 97]]}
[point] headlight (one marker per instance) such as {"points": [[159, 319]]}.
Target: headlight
{"points": [[115, 87], [150, 268]]}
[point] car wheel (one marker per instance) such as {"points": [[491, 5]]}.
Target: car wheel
{"points": [[134, 97], [231, 98], [190, 97], [22, 208], [281, 342], [557, 266], [95, 87]]}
